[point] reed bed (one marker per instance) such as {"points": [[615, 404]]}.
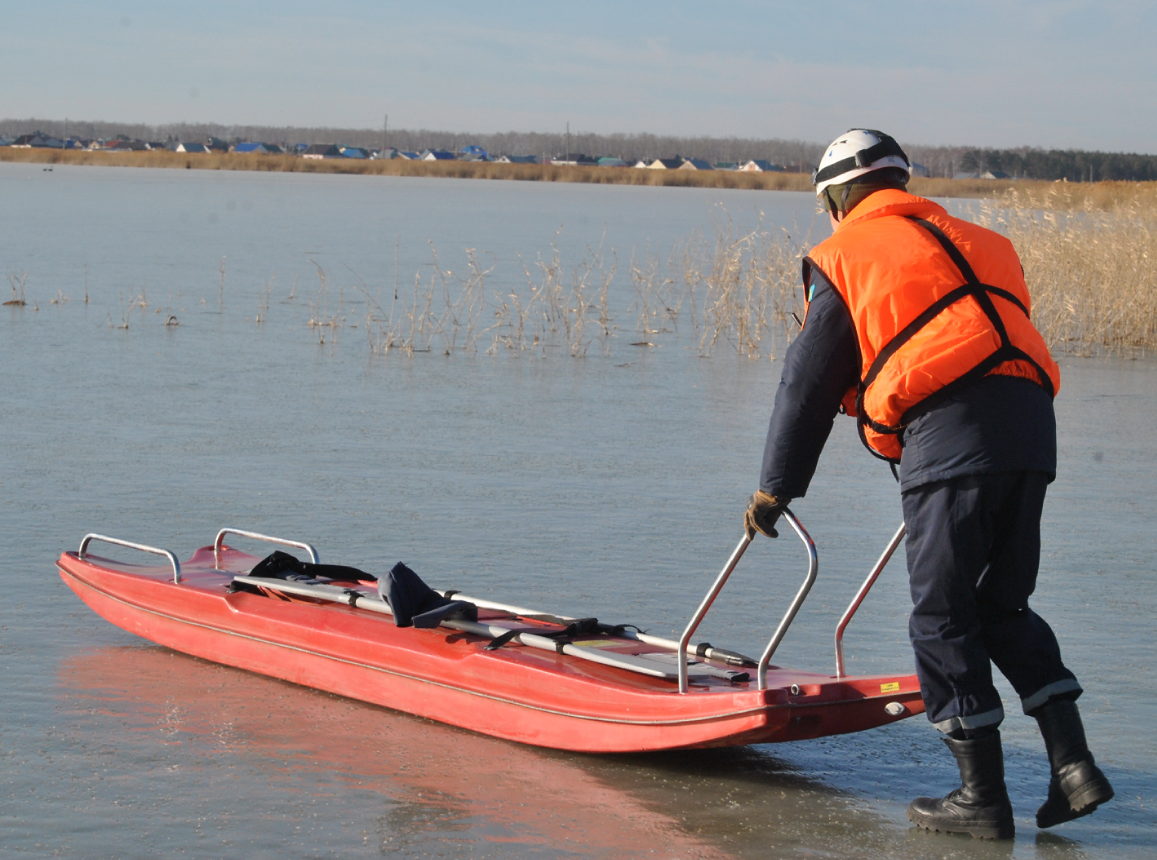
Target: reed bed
{"points": [[449, 312], [1091, 267], [728, 288], [1090, 261]]}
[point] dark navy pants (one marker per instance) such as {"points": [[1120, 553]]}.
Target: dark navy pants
{"points": [[973, 550]]}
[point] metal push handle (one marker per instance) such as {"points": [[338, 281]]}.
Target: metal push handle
{"points": [[721, 580], [282, 541], [717, 586], [862, 593], [813, 568], [142, 547]]}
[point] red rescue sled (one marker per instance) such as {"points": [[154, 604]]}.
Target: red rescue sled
{"points": [[548, 680]]}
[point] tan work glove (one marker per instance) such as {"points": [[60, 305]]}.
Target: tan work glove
{"points": [[762, 512]]}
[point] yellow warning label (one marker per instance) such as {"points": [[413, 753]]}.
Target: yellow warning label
{"points": [[597, 643], [891, 687]]}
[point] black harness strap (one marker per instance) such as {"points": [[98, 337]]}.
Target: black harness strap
{"points": [[982, 293], [498, 641], [578, 627], [909, 331]]}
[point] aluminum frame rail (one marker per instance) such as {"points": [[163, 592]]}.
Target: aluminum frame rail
{"points": [[877, 569], [217, 543], [89, 538], [785, 622]]}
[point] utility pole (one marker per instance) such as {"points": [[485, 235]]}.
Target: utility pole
{"points": [[385, 134], [568, 143]]}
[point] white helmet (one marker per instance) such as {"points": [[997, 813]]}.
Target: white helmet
{"points": [[859, 151]]}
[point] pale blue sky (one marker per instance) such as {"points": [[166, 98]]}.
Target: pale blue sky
{"points": [[1053, 73]]}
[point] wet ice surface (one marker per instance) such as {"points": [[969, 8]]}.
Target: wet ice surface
{"points": [[578, 486]]}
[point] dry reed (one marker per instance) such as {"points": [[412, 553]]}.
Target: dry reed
{"points": [[449, 312], [735, 288], [1091, 267], [18, 283], [1090, 261]]}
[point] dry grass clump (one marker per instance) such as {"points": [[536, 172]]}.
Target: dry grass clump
{"points": [[740, 289], [1091, 267], [451, 311]]}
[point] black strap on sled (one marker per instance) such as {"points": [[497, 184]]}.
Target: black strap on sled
{"points": [[577, 627], [982, 293]]}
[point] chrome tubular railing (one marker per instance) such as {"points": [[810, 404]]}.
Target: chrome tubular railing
{"points": [[721, 580], [89, 538], [862, 593], [255, 536], [813, 569]]}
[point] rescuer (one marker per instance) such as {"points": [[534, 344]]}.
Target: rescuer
{"points": [[917, 324]]}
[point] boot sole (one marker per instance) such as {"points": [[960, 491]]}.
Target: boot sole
{"points": [[976, 831], [1084, 801]]}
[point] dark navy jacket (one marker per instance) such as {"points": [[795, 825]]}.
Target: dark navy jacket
{"points": [[998, 424]]}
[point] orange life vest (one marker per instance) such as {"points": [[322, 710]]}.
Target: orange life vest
{"points": [[936, 302]]}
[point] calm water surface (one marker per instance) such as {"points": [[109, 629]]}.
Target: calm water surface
{"points": [[612, 484]]}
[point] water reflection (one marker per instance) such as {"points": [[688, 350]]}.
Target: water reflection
{"points": [[345, 776], [231, 762]]}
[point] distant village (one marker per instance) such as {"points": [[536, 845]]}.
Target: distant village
{"points": [[790, 156], [38, 140]]}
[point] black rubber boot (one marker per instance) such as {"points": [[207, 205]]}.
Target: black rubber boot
{"points": [[1077, 786], [980, 807]]}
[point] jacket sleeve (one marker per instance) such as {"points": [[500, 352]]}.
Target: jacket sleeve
{"points": [[820, 366]]}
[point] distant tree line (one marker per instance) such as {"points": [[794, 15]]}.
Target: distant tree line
{"points": [[797, 155], [1074, 165]]}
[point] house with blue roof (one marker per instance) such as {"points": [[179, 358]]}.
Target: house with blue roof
{"points": [[37, 140], [256, 149], [436, 155], [473, 153]]}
